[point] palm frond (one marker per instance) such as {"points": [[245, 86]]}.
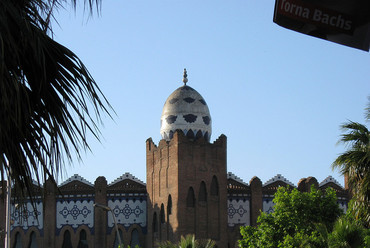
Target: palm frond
{"points": [[355, 163], [367, 110], [47, 95]]}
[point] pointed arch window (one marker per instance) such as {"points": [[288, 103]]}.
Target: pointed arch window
{"points": [[199, 134], [190, 134], [214, 186], [18, 241], [82, 243], [169, 205], [202, 192], [190, 199], [33, 242], [67, 243], [116, 241], [155, 222], [163, 219], [135, 240]]}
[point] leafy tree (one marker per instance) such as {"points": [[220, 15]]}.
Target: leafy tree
{"points": [[49, 102], [293, 220], [348, 233], [188, 242], [355, 163]]}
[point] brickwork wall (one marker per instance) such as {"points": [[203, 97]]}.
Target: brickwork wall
{"points": [[172, 169], [70, 209]]}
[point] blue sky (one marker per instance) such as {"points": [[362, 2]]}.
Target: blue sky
{"points": [[279, 96]]}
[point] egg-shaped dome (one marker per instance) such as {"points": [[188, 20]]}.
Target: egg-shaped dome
{"points": [[185, 109]]}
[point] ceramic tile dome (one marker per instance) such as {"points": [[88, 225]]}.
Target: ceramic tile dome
{"points": [[186, 109]]}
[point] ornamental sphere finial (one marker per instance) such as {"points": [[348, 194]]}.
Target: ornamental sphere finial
{"points": [[185, 79]]}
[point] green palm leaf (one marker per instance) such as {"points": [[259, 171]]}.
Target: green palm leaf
{"points": [[49, 101], [355, 163]]}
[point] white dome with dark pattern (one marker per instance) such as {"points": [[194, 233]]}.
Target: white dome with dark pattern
{"points": [[185, 109]]}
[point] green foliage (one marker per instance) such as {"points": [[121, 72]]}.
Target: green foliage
{"points": [[293, 220], [348, 233], [49, 101], [188, 242], [355, 163]]}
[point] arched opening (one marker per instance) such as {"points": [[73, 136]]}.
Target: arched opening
{"points": [[202, 192], [116, 241], [214, 186], [135, 240], [190, 134], [169, 205], [155, 222], [82, 243], [206, 136], [67, 243], [169, 221], [199, 134], [33, 242], [190, 199], [162, 217], [18, 241]]}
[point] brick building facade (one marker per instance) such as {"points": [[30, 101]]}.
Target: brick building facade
{"points": [[187, 191]]}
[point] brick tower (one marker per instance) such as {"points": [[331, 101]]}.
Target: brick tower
{"points": [[186, 175]]}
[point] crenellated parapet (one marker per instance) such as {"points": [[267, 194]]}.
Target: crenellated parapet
{"points": [[187, 186]]}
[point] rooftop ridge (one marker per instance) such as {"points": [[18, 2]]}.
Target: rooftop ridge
{"points": [[76, 177], [231, 175], [125, 176], [328, 180], [277, 178]]}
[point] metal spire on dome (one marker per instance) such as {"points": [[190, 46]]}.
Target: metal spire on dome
{"points": [[185, 79]]}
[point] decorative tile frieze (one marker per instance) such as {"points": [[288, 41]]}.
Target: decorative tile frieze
{"points": [[268, 205], [128, 211], [75, 213], [238, 211], [27, 216]]}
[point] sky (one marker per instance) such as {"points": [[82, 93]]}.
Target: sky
{"points": [[279, 96]]}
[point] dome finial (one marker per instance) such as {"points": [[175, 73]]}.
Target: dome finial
{"points": [[185, 79]]}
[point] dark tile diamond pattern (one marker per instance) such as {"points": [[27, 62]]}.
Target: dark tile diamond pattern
{"points": [[171, 119], [206, 120], [173, 100], [187, 88], [203, 102], [189, 100], [190, 118]]}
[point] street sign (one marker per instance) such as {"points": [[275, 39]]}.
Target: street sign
{"points": [[346, 22]]}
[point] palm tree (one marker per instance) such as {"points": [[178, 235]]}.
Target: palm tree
{"points": [[347, 233], [49, 102], [355, 163]]}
